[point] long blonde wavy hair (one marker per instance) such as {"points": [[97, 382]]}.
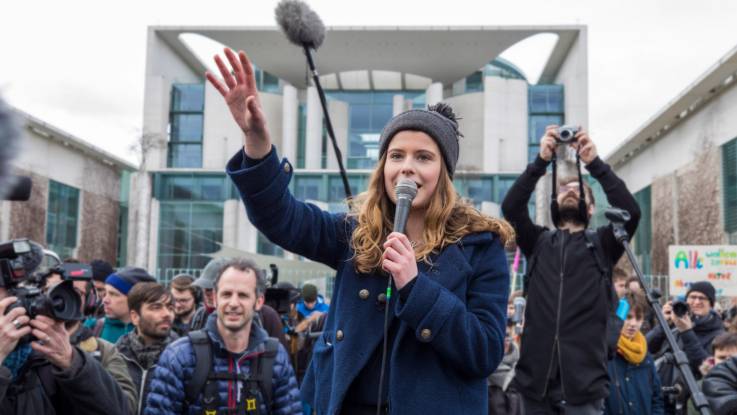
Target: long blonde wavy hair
{"points": [[449, 218]]}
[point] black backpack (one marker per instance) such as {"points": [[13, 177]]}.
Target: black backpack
{"points": [[592, 243], [204, 379]]}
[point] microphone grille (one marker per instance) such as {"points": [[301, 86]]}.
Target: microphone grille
{"points": [[406, 188], [300, 23]]}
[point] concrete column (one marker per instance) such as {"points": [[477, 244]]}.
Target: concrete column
{"points": [[313, 145], [434, 93], [5, 221], [145, 209], [290, 122], [398, 104], [491, 135], [246, 234], [339, 115], [230, 222], [153, 238]]}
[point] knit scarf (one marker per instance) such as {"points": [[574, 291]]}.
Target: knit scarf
{"points": [[17, 358], [146, 356], [633, 351]]}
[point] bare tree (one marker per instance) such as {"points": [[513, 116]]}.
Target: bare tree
{"points": [[145, 144]]}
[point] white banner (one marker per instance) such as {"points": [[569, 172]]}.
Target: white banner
{"points": [[714, 263]]}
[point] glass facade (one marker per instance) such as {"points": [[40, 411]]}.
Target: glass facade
{"points": [[369, 111], [190, 219], [62, 218], [729, 188], [499, 68], [125, 180], [186, 125], [545, 107]]}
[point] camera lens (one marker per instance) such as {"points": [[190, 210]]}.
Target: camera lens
{"points": [[680, 308]]}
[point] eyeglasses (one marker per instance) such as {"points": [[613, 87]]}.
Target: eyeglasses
{"points": [[564, 188], [698, 298]]}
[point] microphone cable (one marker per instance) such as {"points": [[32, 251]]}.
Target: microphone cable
{"points": [[385, 345]]}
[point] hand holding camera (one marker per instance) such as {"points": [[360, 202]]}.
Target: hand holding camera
{"points": [[13, 326], [571, 135]]}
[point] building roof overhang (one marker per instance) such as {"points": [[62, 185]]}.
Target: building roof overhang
{"points": [[716, 79], [444, 54]]}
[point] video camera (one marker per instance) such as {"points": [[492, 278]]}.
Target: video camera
{"points": [[19, 258]]}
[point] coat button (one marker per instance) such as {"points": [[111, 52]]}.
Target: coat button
{"points": [[364, 294], [287, 168], [381, 298], [426, 334], [339, 335]]}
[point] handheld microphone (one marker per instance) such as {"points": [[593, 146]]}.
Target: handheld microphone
{"points": [[519, 314], [519, 310], [406, 190]]}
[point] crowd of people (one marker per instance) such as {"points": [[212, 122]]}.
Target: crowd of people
{"points": [[140, 344], [421, 319]]}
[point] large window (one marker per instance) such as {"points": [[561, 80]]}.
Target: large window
{"points": [[643, 235], [729, 183], [186, 125], [369, 111], [190, 220], [122, 256], [62, 218], [545, 104]]}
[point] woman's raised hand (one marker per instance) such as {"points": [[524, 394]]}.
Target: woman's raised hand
{"points": [[241, 96]]}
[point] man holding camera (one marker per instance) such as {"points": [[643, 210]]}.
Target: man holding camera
{"points": [[46, 374], [564, 348], [696, 324]]}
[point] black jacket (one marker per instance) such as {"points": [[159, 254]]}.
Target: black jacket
{"points": [[569, 300], [696, 343], [84, 388], [720, 387]]}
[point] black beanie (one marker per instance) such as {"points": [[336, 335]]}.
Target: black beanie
{"points": [[438, 121], [704, 287], [101, 270]]}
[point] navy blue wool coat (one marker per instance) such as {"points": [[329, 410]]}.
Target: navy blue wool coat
{"points": [[451, 326]]}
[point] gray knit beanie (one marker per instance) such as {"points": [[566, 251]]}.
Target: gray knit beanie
{"points": [[438, 121]]}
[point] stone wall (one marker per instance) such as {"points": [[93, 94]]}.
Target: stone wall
{"points": [[28, 219], [686, 207]]}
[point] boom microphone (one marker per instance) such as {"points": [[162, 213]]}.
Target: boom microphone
{"points": [[406, 191], [10, 136], [300, 23], [304, 28]]}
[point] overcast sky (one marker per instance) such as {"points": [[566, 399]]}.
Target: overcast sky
{"points": [[79, 65]]}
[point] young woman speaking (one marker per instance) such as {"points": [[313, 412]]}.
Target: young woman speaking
{"points": [[446, 325]]}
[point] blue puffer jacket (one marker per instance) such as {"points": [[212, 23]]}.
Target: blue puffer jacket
{"points": [[451, 327], [634, 389], [176, 367]]}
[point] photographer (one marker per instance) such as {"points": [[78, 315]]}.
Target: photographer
{"points": [[71, 381], [564, 347], [694, 328]]}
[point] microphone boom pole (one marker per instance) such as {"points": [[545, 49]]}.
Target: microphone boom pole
{"points": [[617, 217], [328, 123]]}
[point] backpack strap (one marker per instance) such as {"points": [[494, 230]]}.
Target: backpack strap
{"points": [[532, 261], [264, 371], [592, 243], [97, 329], [203, 364]]}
